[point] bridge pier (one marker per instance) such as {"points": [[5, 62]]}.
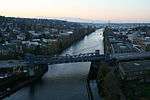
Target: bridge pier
{"points": [[37, 69], [93, 71]]}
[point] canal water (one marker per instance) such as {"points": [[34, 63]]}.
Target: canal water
{"points": [[64, 81]]}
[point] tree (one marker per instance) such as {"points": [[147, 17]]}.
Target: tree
{"points": [[103, 71], [111, 87]]}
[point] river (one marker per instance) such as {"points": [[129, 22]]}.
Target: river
{"points": [[64, 81]]}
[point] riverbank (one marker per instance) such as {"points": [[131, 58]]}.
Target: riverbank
{"points": [[38, 36], [18, 80], [102, 74]]}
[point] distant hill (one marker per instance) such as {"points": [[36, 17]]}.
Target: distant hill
{"points": [[81, 20], [72, 19]]}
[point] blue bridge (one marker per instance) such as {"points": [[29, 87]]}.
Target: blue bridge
{"points": [[86, 57]]}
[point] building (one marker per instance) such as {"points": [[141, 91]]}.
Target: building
{"points": [[11, 67], [135, 70]]}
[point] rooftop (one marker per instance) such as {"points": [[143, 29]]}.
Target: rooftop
{"points": [[135, 65]]}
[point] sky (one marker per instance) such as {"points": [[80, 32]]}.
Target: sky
{"points": [[135, 10]]}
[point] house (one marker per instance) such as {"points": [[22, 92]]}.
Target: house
{"points": [[4, 50], [147, 41], [21, 37]]}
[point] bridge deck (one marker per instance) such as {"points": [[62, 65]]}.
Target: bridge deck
{"points": [[88, 57]]}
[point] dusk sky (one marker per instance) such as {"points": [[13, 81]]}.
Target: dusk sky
{"points": [[87, 9]]}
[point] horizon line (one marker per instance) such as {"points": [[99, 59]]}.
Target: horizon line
{"points": [[103, 21]]}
